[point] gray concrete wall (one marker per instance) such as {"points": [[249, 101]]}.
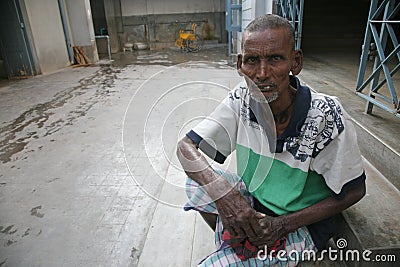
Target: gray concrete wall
{"points": [[145, 7], [47, 33], [158, 22]]}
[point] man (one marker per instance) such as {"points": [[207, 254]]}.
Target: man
{"points": [[296, 168]]}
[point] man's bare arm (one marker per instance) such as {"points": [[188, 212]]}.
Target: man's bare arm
{"points": [[276, 227], [236, 213]]}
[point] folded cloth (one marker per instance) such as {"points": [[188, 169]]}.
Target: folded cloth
{"points": [[245, 250]]}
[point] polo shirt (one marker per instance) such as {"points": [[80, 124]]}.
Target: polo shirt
{"points": [[312, 159]]}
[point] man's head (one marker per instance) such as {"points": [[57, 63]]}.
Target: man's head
{"points": [[268, 55], [270, 21]]}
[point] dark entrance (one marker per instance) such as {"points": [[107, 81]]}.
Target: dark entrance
{"points": [[334, 26]]}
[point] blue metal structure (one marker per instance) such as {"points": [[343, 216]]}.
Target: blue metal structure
{"points": [[292, 10], [233, 19], [382, 15]]}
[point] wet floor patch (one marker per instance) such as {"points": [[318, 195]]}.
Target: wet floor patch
{"points": [[41, 120], [8, 233], [171, 56], [35, 212], [9, 230], [26, 233]]}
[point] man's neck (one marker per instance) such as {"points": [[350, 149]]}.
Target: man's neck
{"points": [[284, 101], [282, 109]]}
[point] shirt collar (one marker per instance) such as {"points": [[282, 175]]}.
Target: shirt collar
{"points": [[301, 106]]}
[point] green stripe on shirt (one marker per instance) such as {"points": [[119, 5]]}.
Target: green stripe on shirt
{"points": [[278, 186]]}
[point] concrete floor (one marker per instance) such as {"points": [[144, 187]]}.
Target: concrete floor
{"points": [[89, 175]]}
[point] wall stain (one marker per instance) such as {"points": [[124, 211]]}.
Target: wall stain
{"points": [[37, 121]]}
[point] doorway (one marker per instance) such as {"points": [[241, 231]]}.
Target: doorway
{"points": [[334, 26]]}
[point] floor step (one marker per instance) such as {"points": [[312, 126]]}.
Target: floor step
{"points": [[373, 223]]}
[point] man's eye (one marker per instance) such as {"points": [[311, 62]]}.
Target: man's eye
{"points": [[251, 60], [276, 58]]}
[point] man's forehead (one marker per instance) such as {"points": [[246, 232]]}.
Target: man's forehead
{"points": [[265, 40], [273, 34]]}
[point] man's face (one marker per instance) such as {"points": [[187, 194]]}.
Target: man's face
{"points": [[267, 59]]}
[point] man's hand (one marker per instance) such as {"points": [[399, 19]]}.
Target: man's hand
{"points": [[273, 229], [238, 217]]}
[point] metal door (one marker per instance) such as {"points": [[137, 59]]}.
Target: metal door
{"points": [[233, 20], [14, 47], [292, 10]]}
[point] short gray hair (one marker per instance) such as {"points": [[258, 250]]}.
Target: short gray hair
{"points": [[270, 21]]}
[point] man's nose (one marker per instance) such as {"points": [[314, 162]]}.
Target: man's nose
{"points": [[263, 70]]}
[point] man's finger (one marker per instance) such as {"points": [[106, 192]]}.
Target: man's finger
{"points": [[240, 232], [257, 229], [260, 215], [249, 231], [232, 231]]}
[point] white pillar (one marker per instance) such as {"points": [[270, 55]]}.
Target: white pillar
{"points": [[82, 30], [250, 10]]}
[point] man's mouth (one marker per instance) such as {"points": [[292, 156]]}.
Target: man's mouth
{"points": [[266, 88]]}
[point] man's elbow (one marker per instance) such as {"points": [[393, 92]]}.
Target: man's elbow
{"points": [[184, 146]]}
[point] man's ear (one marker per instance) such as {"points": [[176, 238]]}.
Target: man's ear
{"points": [[239, 64], [297, 65]]}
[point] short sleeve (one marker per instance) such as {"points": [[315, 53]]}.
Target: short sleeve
{"points": [[340, 162], [216, 134]]}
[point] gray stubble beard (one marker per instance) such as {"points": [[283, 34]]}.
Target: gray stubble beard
{"points": [[263, 99]]}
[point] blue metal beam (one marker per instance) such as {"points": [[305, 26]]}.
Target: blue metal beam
{"points": [[381, 15], [379, 104], [366, 46], [378, 68]]}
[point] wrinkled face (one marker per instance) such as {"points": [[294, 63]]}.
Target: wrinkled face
{"points": [[267, 58]]}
